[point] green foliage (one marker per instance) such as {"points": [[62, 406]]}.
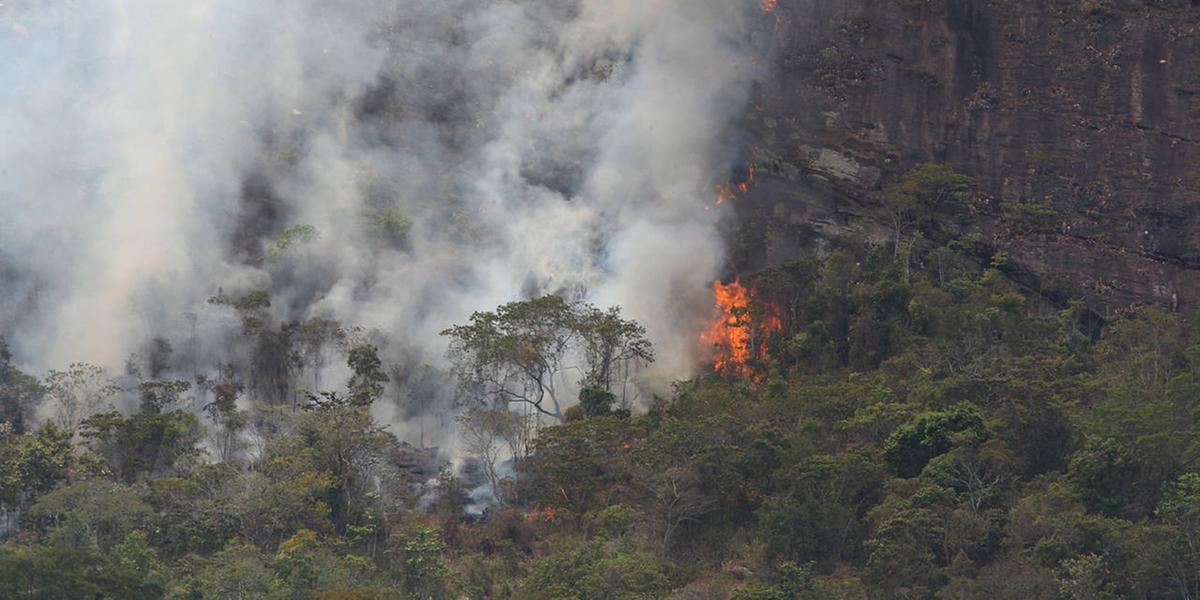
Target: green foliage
{"points": [[927, 191], [393, 224], [590, 571], [914, 444], [90, 514], [19, 394], [42, 572], [1033, 217], [157, 395], [577, 463], [148, 443], [915, 429], [820, 509], [240, 571], [596, 402], [795, 583], [289, 238], [35, 463], [520, 352], [421, 560], [366, 385], [337, 451]]}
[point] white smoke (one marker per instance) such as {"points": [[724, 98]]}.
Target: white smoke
{"points": [[151, 150]]}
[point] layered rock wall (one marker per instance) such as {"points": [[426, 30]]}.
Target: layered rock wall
{"points": [[1078, 120]]}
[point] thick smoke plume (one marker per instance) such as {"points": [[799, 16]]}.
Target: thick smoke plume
{"points": [[391, 164]]}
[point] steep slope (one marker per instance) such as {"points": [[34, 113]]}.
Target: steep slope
{"points": [[1079, 122]]}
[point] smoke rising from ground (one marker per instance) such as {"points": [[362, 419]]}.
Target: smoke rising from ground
{"points": [[450, 155]]}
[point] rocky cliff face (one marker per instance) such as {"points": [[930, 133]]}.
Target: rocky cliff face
{"points": [[1078, 120]]}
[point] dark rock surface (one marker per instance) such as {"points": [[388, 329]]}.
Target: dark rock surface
{"points": [[1085, 113]]}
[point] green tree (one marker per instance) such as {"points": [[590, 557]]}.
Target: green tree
{"points": [[1180, 509], [611, 346], [520, 353], [40, 572], [151, 442], [366, 384], [36, 463], [420, 557], [240, 572], [914, 444], [342, 445], [820, 513], [590, 571], [93, 513], [19, 394]]}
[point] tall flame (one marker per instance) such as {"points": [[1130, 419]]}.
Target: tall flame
{"points": [[735, 336]]}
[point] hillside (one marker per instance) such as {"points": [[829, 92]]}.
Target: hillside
{"points": [[600, 300]]}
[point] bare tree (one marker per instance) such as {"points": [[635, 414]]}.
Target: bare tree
{"points": [[485, 433], [78, 393]]}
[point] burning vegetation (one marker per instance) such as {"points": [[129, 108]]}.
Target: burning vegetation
{"points": [[738, 334], [731, 190]]}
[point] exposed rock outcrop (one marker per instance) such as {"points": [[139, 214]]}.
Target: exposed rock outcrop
{"points": [[1085, 114]]}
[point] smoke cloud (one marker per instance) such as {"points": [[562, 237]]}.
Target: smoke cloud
{"points": [[446, 156]]}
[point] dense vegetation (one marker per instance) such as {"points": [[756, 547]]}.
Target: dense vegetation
{"points": [[918, 428]]}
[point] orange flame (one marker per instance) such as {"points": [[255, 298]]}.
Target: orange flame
{"points": [[729, 191], [734, 335], [769, 6]]}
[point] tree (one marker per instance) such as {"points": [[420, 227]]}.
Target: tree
{"points": [[592, 571], [341, 444], [50, 571], [240, 572], [366, 384], [230, 420], [1180, 508], [420, 559], [19, 393], [610, 344], [520, 353], [485, 432], [90, 514], [516, 354], [819, 516], [315, 336], [920, 195], [914, 444], [78, 393], [34, 463], [151, 442]]}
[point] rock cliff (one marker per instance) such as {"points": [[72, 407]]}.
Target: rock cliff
{"points": [[1079, 122]]}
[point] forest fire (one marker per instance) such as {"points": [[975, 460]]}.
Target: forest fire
{"points": [[729, 191], [737, 335], [769, 6]]}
